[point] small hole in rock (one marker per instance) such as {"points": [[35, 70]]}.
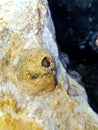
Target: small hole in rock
{"points": [[45, 62]]}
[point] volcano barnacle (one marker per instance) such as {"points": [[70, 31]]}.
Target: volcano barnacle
{"points": [[36, 72]]}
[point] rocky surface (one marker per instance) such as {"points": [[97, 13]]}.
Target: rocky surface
{"points": [[35, 90]]}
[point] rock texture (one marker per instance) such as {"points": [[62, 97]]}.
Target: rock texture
{"points": [[36, 93]]}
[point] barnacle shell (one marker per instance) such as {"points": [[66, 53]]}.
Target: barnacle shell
{"points": [[36, 72]]}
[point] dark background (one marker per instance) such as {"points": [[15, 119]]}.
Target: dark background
{"points": [[76, 24]]}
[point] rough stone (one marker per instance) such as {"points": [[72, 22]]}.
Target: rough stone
{"points": [[36, 93]]}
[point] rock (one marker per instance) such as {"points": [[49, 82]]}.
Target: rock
{"points": [[64, 59], [36, 93]]}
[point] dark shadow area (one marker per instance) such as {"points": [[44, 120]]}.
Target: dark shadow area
{"points": [[76, 24]]}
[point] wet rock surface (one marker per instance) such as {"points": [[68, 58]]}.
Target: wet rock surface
{"points": [[76, 24]]}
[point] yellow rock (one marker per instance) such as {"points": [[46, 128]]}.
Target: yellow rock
{"points": [[14, 118], [7, 122]]}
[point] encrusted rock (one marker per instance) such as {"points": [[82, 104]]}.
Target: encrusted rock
{"points": [[36, 93]]}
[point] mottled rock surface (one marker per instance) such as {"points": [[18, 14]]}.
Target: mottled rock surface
{"points": [[36, 93]]}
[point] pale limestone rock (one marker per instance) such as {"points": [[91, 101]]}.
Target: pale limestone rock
{"points": [[36, 93]]}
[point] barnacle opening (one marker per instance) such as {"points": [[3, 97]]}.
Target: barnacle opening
{"points": [[45, 62]]}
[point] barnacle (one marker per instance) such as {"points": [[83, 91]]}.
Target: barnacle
{"points": [[36, 72]]}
